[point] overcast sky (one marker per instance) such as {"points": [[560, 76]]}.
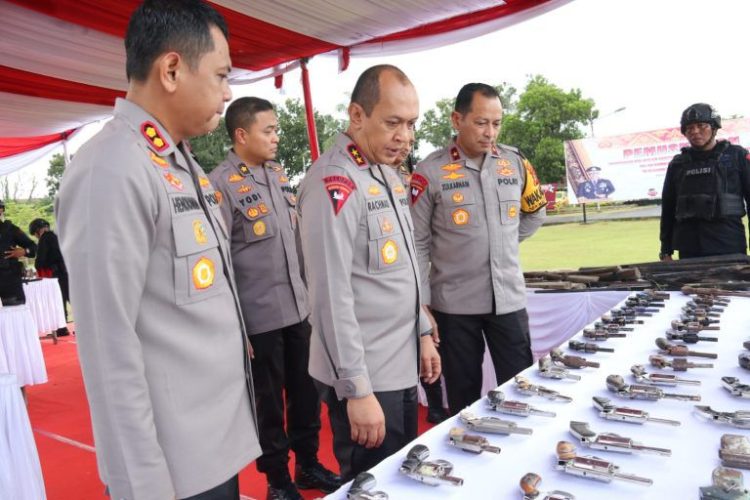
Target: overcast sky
{"points": [[653, 57]]}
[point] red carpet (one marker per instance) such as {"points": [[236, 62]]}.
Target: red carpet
{"points": [[60, 418]]}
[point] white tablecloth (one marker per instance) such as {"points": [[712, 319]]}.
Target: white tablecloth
{"points": [[553, 319], [20, 351], [694, 444], [45, 302], [20, 471]]}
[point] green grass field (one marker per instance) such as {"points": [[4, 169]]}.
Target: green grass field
{"points": [[601, 243]]}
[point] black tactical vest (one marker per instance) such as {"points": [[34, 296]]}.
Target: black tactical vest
{"points": [[710, 188]]}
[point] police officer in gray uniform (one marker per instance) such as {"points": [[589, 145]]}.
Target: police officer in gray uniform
{"points": [[259, 206], [160, 333], [706, 191], [472, 203], [369, 330]]}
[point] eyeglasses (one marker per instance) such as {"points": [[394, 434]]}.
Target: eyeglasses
{"points": [[700, 127]]}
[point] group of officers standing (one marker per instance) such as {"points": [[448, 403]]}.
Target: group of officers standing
{"points": [[214, 313]]}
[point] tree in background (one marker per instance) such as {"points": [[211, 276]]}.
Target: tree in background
{"points": [[537, 122], [54, 174], [210, 149], [544, 118], [294, 148]]}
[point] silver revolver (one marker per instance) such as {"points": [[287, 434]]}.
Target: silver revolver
{"points": [[609, 411], [611, 442], [640, 375], [592, 467], [735, 387], [492, 425], [361, 488], [616, 384], [548, 369], [470, 442], [523, 386], [726, 484], [434, 473], [529, 483], [735, 451], [496, 400], [739, 419]]}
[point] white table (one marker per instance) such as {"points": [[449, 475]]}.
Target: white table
{"points": [[694, 444], [20, 471], [20, 350], [44, 299]]}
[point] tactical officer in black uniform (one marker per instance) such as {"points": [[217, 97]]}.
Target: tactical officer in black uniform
{"points": [[14, 244], [705, 192]]}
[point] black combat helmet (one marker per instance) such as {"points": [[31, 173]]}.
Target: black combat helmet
{"points": [[36, 225], [2, 204], [700, 113]]}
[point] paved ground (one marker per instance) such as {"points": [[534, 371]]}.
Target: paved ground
{"points": [[592, 215]]}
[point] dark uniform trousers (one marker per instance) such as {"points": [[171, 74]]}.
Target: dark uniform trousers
{"points": [[229, 490], [400, 410], [462, 338], [280, 362]]}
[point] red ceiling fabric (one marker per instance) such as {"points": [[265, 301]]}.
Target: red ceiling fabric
{"points": [[16, 81], [253, 44], [464, 21], [10, 146]]}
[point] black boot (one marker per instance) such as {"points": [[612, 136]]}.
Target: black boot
{"points": [[281, 487], [315, 476]]}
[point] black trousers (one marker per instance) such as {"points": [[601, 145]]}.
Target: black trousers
{"points": [[400, 410], [462, 338], [225, 491], [280, 369], [11, 282]]}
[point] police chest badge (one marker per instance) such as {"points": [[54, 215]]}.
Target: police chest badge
{"points": [[199, 231], [417, 186], [204, 273], [460, 217], [339, 188], [389, 252], [259, 228]]}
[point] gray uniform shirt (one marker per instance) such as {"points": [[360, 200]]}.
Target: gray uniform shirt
{"points": [[159, 330], [260, 208], [362, 274], [468, 222]]}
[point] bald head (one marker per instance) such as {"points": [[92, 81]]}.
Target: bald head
{"points": [[366, 91]]}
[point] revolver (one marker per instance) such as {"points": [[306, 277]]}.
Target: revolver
{"points": [[681, 350], [688, 337], [492, 425], [434, 473], [735, 387], [526, 388], [592, 467], [600, 335], [549, 370], [623, 414], [611, 442], [616, 384], [577, 345], [726, 484], [496, 400], [739, 419], [640, 375], [575, 362], [744, 360], [470, 442], [361, 488], [529, 483], [735, 451]]}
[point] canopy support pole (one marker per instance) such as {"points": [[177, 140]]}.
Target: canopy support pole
{"points": [[312, 133]]}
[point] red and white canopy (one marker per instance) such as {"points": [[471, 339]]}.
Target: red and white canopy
{"points": [[62, 61]]}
